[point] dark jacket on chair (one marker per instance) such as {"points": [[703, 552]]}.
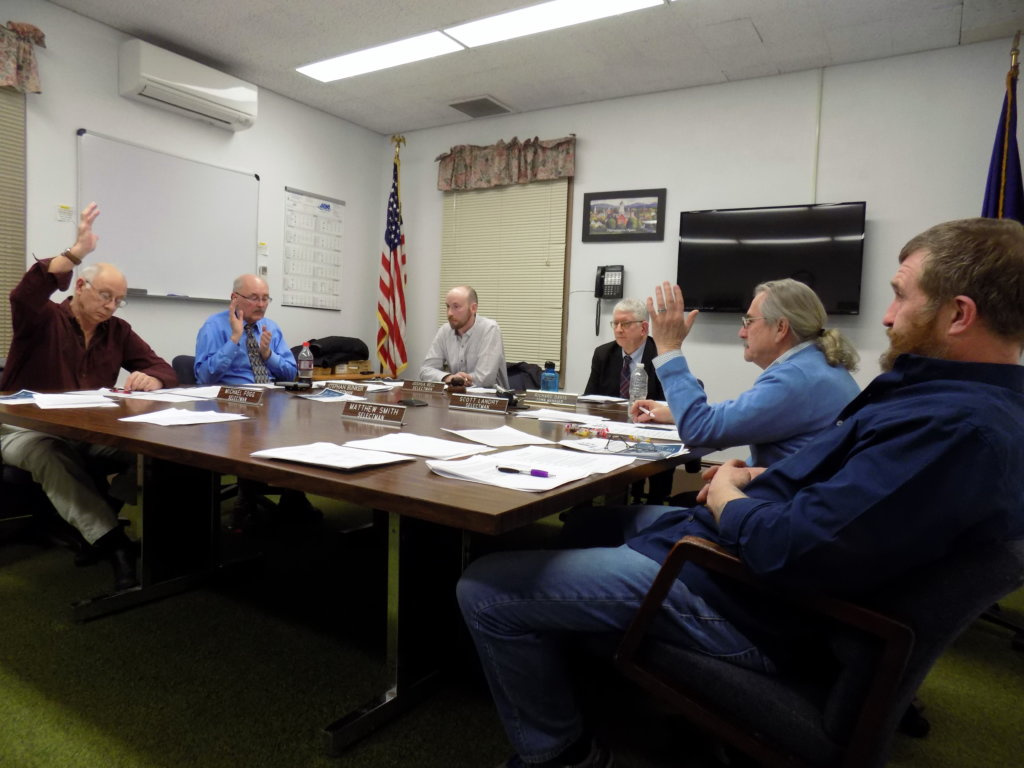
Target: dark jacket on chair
{"points": [[606, 368]]}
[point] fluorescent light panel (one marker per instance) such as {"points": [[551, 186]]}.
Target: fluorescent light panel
{"points": [[541, 18], [554, 14], [382, 57]]}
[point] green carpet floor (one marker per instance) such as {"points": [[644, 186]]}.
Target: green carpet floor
{"points": [[246, 671]]}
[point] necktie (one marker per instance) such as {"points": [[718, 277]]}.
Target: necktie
{"points": [[624, 377], [252, 346]]}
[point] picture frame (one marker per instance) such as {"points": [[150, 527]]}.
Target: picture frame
{"points": [[624, 216]]}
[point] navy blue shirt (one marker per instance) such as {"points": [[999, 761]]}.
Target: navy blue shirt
{"points": [[928, 457]]}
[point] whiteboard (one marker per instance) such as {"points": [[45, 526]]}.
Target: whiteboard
{"points": [[175, 227]]}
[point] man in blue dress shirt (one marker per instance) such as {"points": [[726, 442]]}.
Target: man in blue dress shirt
{"points": [[870, 499], [242, 346]]}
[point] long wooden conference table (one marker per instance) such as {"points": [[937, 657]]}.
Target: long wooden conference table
{"points": [[428, 516]]}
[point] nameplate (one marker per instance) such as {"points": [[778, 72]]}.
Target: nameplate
{"points": [[478, 403], [241, 395], [552, 398], [423, 386], [378, 413], [348, 386]]}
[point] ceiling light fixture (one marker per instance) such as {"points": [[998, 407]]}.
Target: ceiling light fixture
{"points": [[381, 57], [541, 18]]}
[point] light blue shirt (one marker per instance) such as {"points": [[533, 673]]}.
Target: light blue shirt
{"points": [[222, 361], [793, 399]]}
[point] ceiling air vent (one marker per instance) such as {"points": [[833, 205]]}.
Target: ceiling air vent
{"points": [[485, 106]]}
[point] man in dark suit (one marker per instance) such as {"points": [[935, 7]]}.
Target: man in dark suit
{"points": [[615, 362], [609, 374]]}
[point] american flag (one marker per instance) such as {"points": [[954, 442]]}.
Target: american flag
{"points": [[391, 288]]}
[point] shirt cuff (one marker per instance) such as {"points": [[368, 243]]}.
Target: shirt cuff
{"points": [[672, 354]]}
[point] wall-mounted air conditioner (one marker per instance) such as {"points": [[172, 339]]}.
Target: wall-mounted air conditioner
{"points": [[169, 81]]}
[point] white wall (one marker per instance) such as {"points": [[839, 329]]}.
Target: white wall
{"points": [[290, 145], [911, 135]]}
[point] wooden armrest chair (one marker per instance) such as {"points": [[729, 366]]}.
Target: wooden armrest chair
{"points": [[883, 647]]}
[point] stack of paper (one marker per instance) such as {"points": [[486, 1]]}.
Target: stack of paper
{"points": [[418, 445], [176, 417], [560, 466], [331, 455]]}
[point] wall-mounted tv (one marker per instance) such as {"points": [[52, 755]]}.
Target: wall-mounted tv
{"points": [[725, 253]]}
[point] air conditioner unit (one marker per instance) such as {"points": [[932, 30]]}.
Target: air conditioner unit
{"points": [[169, 81]]}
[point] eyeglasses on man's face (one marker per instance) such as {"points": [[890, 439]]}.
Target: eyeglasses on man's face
{"points": [[746, 320], [254, 299], [107, 297], [624, 324]]}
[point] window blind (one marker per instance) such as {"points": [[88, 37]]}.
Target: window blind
{"points": [[12, 203], [509, 243]]}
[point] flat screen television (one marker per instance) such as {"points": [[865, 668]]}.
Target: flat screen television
{"points": [[725, 253]]}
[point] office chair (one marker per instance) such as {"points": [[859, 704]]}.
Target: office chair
{"points": [[185, 369], [883, 648]]}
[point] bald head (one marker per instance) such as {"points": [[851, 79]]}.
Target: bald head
{"points": [[251, 294]]}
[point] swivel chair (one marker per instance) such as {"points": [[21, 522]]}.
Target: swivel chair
{"points": [[883, 648]]}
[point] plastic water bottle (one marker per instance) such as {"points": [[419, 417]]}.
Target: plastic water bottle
{"points": [[549, 378], [638, 385], [305, 362]]}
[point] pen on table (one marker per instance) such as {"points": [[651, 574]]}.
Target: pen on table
{"points": [[533, 472]]}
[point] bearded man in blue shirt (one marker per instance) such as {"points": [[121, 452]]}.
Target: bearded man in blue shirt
{"points": [[880, 493]]}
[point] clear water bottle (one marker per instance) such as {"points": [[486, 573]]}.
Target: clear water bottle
{"points": [[549, 378], [305, 362], [638, 385]]}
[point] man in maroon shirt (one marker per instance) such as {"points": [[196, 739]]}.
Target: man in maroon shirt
{"points": [[78, 344]]}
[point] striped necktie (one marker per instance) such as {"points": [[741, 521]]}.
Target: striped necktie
{"points": [[624, 378], [252, 345]]}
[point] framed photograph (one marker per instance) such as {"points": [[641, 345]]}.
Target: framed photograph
{"points": [[625, 216]]}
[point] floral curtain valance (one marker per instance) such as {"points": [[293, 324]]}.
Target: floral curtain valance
{"points": [[18, 58], [515, 162]]}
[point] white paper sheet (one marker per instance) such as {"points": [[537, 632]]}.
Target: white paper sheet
{"points": [[501, 437], [563, 466], [601, 399], [331, 455], [74, 400], [418, 445], [176, 417], [550, 414]]}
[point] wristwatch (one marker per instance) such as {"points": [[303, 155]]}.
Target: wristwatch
{"points": [[67, 254]]}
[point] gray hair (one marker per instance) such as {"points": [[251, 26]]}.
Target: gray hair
{"points": [[240, 281], [635, 307], [90, 271], [798, 304]]}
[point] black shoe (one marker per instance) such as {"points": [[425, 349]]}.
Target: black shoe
{"points": [[122, 553], [123, 560]]}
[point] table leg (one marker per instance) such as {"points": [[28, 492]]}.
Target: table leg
{"points": [[181, 524], [423, 563]]}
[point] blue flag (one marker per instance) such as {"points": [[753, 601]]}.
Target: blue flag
{"points": [[1004, 196]]}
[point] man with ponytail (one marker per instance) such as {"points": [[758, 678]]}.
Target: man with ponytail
{"points": [[805, 383]]}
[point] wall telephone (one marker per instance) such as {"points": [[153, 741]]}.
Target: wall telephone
{"points": [[609, 282], [609, 285]]}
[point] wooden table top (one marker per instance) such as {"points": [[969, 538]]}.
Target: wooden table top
{"points": [[408, 488]]}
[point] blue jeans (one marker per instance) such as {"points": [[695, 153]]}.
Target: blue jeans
{"points": [[519, 606]]}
